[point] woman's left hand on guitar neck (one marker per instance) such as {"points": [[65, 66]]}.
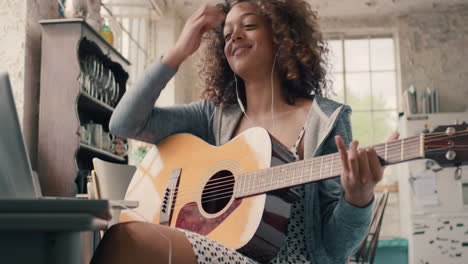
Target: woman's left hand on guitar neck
{"points": [[361, 171]]}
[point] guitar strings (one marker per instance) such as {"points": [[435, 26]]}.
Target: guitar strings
{"points": [[215, 183], [207, 199], [231, 182], [215, 186], [391, 146], [229, 195], [444, 135], [217, 190]]}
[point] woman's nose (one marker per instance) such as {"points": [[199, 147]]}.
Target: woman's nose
{"points": [[237, 35]]}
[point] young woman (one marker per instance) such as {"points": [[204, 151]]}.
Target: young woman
{"points": [[264, 66]]}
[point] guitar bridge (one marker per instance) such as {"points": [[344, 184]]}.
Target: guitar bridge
{"points": [[170, 197]]}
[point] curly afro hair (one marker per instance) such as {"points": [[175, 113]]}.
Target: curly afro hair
{"points": [[301, 53]]}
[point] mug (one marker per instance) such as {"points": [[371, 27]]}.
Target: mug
{"points": [[119, 147], [84, 135], [95, 131], [106, 141]]}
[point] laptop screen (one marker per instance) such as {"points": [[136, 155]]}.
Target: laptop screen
{"points": [[16, 178]]}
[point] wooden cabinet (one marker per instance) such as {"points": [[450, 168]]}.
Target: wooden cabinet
{"points": [[82, 79]]}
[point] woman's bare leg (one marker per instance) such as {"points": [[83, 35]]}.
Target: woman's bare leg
{"points": [[139, 242]]}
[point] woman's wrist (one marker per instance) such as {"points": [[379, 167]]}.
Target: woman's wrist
{"points": [[360, 200], [173, 58]]}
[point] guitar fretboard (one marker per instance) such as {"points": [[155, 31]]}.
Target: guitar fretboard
{"points": [[320, 168]]}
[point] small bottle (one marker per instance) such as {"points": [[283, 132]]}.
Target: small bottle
{"points": [[423, 104], [107, 34], [426, 127]]}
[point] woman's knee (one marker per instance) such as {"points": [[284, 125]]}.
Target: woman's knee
{"points": [[119, 243], [124, 231], [146, 241], [126, 228], [140, 235]]}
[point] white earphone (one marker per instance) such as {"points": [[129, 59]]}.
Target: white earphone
{"points": [[239, 101]]}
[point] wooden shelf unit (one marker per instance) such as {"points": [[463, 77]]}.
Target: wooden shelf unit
{"points": [[65, 106], [102, 154]]}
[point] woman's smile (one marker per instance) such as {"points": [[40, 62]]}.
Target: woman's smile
{"points": [[241, 49]]}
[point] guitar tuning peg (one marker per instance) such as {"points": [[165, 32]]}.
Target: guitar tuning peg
{"points": [[450, 131], [458, 173], [450, 155]]}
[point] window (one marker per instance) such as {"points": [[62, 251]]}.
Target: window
{"points": [[132, 23], [364, 75]]}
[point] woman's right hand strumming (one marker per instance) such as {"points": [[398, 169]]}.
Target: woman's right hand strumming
{"points": [[203, 20]]}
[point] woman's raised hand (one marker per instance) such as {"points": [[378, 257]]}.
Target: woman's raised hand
{"points": [[361, 171], [203, 20]]}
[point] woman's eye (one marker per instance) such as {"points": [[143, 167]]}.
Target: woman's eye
{"points": [[249, 25], [227, 36]]}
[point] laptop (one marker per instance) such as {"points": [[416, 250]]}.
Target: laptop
{"points": [[20, 191]]}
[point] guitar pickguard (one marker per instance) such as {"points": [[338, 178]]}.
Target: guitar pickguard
{"points": [[191, 219]]}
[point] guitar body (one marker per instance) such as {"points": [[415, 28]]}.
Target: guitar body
{"points": [[201, 193]]}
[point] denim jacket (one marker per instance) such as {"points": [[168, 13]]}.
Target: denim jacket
{"points": [[334, 228]]}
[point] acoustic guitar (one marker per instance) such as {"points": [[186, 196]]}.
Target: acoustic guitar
{"points": [[230, 194]]}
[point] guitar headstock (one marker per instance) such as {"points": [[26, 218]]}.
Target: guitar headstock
{"points": [[448, 145]]}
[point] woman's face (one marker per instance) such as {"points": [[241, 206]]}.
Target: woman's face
{"points": [[248, 40]]}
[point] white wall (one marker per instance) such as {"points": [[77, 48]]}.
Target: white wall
{"points": [[168, 30], [12, 47], [184, 87], [188, 84], [20, 52], [434, 54]]}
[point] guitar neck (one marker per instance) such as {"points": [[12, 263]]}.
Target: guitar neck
{"points": [[321, 168]]}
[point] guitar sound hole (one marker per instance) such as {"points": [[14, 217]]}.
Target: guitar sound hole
{"points": [[218, 192]]}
